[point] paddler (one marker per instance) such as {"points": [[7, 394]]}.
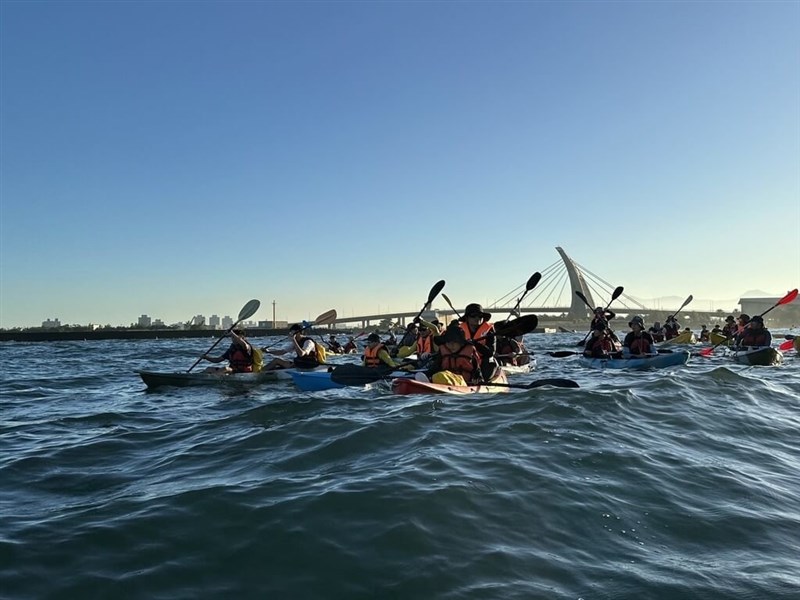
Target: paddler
{"points": [[304, 348], [423, 346], [600, 344], [350, 347], [672, 328], [239, 355], [457, 362], [376, 355], [755, 334], [333, 345], [705, 334], [477, 329], [511, 350], [638, 342]]}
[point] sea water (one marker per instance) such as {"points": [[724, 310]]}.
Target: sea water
{"points": [[682, 483]]}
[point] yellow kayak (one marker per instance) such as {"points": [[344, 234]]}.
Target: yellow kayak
{"points": [[716, 338], [685, 337]]}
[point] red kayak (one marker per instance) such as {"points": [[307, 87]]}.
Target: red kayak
{"points": [[405, 386]]}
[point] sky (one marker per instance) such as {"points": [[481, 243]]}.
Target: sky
{"points": [[180, 158]]}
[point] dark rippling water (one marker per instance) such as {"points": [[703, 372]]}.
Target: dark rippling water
{"points": [[679, 484]]}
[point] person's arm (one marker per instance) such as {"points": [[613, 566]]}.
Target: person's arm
{"points": [[429, 326], [407, 350], [242, 343], [386, 359], [307, 348]]}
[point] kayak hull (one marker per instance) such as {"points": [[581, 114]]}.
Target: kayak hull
{"points": [[717, 338], [685, 337], [405, 386], [659, 361], [764, 356], [314, 381], [156, 379]]}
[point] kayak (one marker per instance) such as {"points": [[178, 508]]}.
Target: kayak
{"points": [[762, 356], [717, 338], [685, 337], [155, 379], [404, 386], [314, 381], [519, 369], [657, 361]]}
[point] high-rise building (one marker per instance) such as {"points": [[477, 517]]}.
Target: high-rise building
{"points": [[145, 321], [213, 322], [226, 322]]}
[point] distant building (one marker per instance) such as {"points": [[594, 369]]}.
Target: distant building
{"points": [[226, 322], [158, 323], [198, 320], [213, 322], [144, 321], [50, 323]]}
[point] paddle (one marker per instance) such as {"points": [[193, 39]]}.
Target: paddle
{"points": [[437, 287], [450, 304], [248, 310], [516, 327], [555, 382], [685, 302], [785, 300], [532, 282], [787, 345], [617, 293], [325, 318]]}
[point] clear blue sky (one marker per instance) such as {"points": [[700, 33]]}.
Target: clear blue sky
{"points": [[176, 158]]}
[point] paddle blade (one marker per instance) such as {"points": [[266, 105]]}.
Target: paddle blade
{"points": [[357, 375], [555, 382], [438, 287], [707, 351], [788, 298], [326, 318], [248, 310], [787, 345], [533, 281], [562, 353], [517, 327], [689, 299], [617, 293], [580, 295]]}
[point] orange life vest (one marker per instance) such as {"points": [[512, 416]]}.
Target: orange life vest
{"points": [[425, 344], [465, 362], [371, 358], [483, 330]]}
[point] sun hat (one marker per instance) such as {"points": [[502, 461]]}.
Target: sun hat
{"points": [[476, 310]]}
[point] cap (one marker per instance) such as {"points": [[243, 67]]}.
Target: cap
{"points": [[637, 320], [373, 337]]}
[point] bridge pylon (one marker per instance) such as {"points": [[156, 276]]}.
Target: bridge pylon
{"points": [[577, 309]]}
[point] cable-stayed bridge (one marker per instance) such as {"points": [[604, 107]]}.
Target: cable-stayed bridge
{"points": [[554, 295]]}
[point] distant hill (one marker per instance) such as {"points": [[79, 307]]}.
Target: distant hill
{"points": [[758, 294]]}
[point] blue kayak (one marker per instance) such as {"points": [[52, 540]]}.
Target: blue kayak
{"points": [[657, 361], [314, 381]]}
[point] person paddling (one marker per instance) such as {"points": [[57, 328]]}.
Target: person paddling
{"points": [[239, 355], [477, 329], [375, 354], [638, 342], [457, 362], [672, 328], [656, 331], [423, 346], [599, 345], [755, 334], [333, 345], [350, 347], [705, 334], [304, 348], [730, 327]]}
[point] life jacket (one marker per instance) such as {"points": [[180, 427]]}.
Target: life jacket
{"points": [[599, 347], [310, 361], [465, 362], [727, 331], [671, 330], [755, 338], [483, 330], [349, 347], [425, 344], [371, 356], [641, 345], [239, 360]]}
